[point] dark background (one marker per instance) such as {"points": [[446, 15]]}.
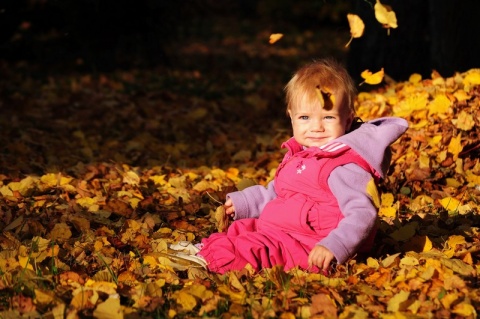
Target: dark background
{"points": [[102, 35], [190, 82]]}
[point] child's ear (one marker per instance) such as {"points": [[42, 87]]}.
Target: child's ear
{"points": [[350, 120]]}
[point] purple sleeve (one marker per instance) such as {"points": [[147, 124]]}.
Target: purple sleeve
{"points": [[250, 202], [348, 184]]}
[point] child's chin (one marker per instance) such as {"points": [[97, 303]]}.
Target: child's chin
{"points": [[316, 143]]}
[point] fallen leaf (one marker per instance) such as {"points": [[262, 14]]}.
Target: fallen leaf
{"points": [[274, 37]]}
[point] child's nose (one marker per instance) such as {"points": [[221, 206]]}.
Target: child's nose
{"points": [[318, 126]]}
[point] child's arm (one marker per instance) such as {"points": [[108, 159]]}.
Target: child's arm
{"points": [[349, 185], [250, 202]]}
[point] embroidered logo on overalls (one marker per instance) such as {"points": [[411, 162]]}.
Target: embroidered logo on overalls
{"points": [[301, 167]]}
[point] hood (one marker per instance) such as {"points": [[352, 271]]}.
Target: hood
{"points": [[371, 141], [373, 138]]}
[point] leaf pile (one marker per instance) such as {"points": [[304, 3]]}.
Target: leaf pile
{"points": [[100, 174]]}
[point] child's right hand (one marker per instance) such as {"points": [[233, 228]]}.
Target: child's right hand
{"points": [[229, 208]]}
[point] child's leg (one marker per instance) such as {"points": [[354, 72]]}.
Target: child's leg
{"points": [[242, 244]]}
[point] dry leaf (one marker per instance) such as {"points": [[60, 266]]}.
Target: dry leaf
{"points": [[385, 15], [274, 37], [356, 27], [372, 78]]}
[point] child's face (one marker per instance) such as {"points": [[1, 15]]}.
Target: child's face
{"points": [[315, 126]]}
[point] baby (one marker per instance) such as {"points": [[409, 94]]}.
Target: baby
{"points": [[320, 205]]}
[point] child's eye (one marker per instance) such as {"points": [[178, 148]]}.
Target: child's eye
{"points": [[329, 117], [303, 117]]}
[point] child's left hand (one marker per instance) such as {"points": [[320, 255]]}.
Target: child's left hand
{"points": [[321, 257]]}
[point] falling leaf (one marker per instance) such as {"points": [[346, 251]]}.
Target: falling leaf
{"points": [[274, 37], [385, 15], [372, 78], [356, 27]]}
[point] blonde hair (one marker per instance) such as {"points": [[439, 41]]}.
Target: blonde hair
{"points": [[326, 76]]}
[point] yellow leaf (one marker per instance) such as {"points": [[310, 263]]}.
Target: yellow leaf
{"points": [[448, 299], [415, 78], [395, 303], [385, 15], [408, 261], [387, 199], [472, 77], [388, 212], [373, 192], [455, 240], [356, 27], [455, 145], [6, 191], [354, 311], [452, 182], [43, 297], [158, 179], [458, 266], [419, 244], [372, 78], [449, 203], [185, 300], [274, 37], [86, 202], [413, 102], [472, 178], [424, 161], [461, 95], [109, 288], [235, 296], [372, 263], [25, 185], [201, 292], [131, 178], [465, 310], [109, 309], [440, 105], [464, 121]]}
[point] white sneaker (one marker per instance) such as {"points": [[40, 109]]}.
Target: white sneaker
{"points": [[185, 250], [192, 258], [185, 246]]}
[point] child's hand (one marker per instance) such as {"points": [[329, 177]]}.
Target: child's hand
{"points": [[321, 257], [229, 208]]}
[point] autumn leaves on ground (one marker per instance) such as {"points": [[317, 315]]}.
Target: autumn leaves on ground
{"points": [[100, 172]]}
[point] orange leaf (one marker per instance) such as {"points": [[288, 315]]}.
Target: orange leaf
{"points": [[373, 78], [274, 37]]}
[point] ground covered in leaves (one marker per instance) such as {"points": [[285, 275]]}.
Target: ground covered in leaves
{"points": [[100, 172]]}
